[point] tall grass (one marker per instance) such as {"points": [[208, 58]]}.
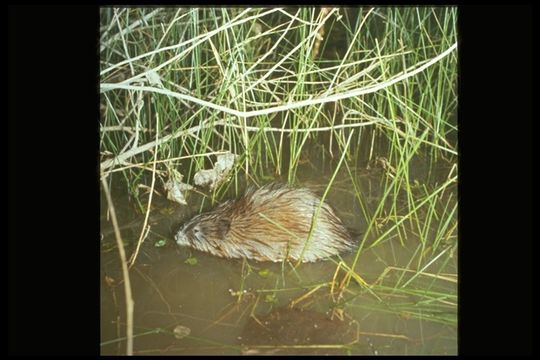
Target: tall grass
{"points": [[243, 80]]}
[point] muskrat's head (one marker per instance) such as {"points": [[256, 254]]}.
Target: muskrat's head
{"points": [[203, 232]]}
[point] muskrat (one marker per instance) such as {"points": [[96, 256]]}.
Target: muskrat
{"points": [[270, 223]]}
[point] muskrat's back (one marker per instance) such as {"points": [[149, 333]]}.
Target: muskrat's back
{"points": [[268, 224]]}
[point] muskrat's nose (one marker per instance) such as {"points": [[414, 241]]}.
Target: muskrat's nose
{"points": [[181, 238]]}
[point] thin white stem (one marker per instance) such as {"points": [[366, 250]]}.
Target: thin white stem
{"points": [[295, 105], [120, 159], [196, 41], [125, 271], [127, 29], [144, 230]]}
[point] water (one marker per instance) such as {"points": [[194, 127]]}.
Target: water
{"points": [[244, 307]]}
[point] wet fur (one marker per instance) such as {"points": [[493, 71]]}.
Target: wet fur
{"points": [[268, 224]]}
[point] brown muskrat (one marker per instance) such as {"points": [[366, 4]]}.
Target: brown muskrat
{"points": [[268, 224]]}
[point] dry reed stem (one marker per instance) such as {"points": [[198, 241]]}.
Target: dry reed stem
{"points": [[147, 215], [125, 271]]}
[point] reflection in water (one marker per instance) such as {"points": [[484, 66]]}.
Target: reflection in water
{"points": [[296, 331]]}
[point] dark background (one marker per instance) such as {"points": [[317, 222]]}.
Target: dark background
{"points": [[53, 167]]}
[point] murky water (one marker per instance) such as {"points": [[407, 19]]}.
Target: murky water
{"points": [[189, 302]]}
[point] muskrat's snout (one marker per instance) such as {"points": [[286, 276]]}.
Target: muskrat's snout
{"points": [[180, 236], [190, 234]]}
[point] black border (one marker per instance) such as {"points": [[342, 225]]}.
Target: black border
{"points": [[53, 217], [495, 180]]}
